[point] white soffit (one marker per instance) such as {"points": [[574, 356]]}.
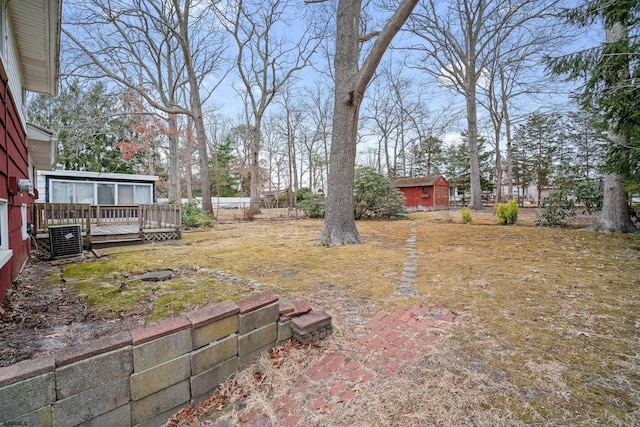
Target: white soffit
{"points": [[36, 28], [42, 147]]}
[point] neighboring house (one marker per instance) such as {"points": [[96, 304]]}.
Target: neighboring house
{"points": [[528, 195], [95, 188], [29, 55], [425, 193]]}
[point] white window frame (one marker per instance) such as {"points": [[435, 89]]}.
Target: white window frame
{"points": [[23, 215], [148, 187], [5, 252]]}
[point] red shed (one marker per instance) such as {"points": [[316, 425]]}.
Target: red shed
{"points": [[424, 193], [31, 35]]}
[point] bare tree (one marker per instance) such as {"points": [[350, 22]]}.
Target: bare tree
{"points": [[276, 156], [513, 72], [350, 84], [460, 37], [287, 125], [267, 58], [153, 47], [319, 105], [384, 122]]}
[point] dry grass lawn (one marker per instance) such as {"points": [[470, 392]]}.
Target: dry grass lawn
{"points": [[548, 326]]}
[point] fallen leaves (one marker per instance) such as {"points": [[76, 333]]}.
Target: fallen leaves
{"points": [[229, 392]]}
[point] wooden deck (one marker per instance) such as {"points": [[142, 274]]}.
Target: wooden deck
{"points": [[104, 226], [107, 230]]}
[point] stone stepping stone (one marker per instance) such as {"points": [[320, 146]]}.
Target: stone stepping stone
{"points": [[156, 276]]}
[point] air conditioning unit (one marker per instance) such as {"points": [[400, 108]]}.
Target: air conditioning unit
{"points": [[65, 240]]}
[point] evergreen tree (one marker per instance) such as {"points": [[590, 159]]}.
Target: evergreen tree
{"points": [[537, 143], [224, 179], [612, 94], [458, 170], [89, 124], [428, 155]]}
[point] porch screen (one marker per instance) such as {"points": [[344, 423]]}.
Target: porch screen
{"points": [[61, 192], [106, 194], [143, 194], [84, 193], [125, 194]]}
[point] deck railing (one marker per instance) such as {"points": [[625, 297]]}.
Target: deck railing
{"points": [[159, 216], [52, 214], [114, 214], [146, 216]]}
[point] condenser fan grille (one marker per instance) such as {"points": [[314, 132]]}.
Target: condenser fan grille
{"points": [[65, 240]]}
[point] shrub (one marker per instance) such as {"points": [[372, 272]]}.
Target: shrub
{"points": [[193, 216], [303, 193], [507, 213], [466, 215], [312, 207], [589, 195], [374, 197], [555, 209]]}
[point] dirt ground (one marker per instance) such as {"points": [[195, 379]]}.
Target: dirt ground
{"points": [[38, 320]]}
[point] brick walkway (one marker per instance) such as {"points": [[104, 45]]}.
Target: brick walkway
{"points": [[385, 345]]}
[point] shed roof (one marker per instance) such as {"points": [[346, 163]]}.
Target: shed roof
{"points": [[422, 181]]}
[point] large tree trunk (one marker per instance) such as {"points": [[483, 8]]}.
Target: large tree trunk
{"points": [[201, 137], [188, 164], [254, 185], [196, 106], [174, 176], [615, 208], [498, 178], [172, 124], [472, 140], [339, 222]]}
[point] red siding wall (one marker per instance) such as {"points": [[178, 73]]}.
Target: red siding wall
{"points": [[438, 197], [441, 194], [13, 163], [415, 198]]}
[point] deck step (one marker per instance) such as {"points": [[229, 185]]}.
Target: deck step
{"points": [[100, 244], [114, 236]]}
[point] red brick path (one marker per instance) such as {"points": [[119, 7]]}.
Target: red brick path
{"points": [[387, 343]]}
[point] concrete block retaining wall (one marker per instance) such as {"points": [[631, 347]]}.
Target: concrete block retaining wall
{"points": [[142, 377]]}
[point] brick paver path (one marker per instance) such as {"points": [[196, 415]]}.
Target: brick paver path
{"points": [[385, 345]]}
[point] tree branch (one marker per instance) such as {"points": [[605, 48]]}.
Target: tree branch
{"points": [[393, 26], [369, 36]]}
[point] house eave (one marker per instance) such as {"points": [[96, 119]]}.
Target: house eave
{"points": [[42, 146], [36, 29]]}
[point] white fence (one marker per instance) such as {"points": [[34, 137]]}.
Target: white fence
{"points": [[219, 202]]}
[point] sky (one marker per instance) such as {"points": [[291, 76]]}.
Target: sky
{"points": [[229, 103]]}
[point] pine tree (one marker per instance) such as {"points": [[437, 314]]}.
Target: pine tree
{"points": [[611, 93]]}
